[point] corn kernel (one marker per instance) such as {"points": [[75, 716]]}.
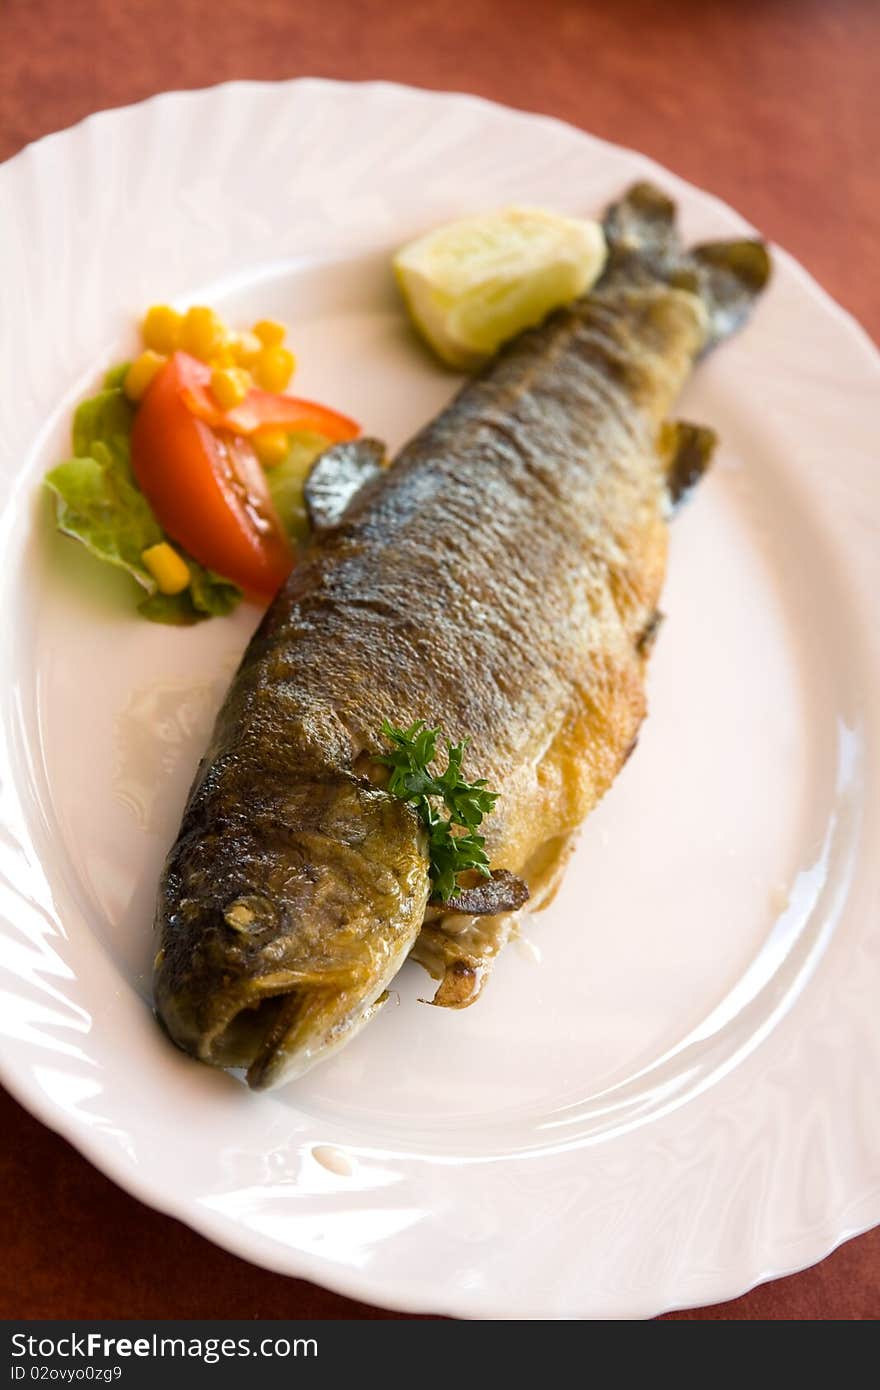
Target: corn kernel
{"points": [[141, 373], [223, 355], [274, 368], [246, 348], [161, 328], [270, 332], [170, 572], [271, 446], [229, 386], [203, 332]]}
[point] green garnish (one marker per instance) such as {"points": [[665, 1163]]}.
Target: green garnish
{"points": [[453, 845], [98, 502], [114, 378], [287, 481]]}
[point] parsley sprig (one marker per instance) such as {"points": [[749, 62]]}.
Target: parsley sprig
{"points": [[453, 844]]}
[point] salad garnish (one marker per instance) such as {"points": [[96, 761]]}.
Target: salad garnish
{"points": [[188, 466]]}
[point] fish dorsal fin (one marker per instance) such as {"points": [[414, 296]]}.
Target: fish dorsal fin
{"points": [[337, 477], [686, 450]]}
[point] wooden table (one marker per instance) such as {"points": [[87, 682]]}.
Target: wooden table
{"points": [[772, 104]]}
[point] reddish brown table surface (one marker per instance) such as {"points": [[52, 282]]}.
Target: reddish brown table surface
{"points": [[772, 104]]}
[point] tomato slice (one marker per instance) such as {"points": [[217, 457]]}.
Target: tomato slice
{"points": [[207, 488], [259, 409]]}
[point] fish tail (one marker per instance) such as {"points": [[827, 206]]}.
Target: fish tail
{"points": [[641, 232], [644, 244], [729, 277]]}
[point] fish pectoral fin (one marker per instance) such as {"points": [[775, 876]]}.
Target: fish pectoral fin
{"points": [[461, 958], [686, 451], [337, 477], [460, 986], [502, 891]]}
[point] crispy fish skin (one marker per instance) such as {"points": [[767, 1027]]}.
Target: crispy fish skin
{"points": [[502, 580]]}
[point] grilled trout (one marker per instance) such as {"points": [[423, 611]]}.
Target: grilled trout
{"points": [[501, 580]]}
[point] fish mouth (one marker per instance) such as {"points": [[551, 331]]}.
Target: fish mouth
{"points": [[279, 1037]]}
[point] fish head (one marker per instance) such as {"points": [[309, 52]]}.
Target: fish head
{"points": [[281, 929]]}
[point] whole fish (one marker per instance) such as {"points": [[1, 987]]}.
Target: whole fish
{"points": [[500, 580]]}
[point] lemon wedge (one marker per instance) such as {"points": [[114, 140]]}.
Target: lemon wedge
{"points": [[471, 285]]}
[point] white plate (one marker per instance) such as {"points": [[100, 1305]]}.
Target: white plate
{"points": [[670, 1092]]}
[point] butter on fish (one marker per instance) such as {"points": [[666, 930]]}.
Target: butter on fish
{"points": [[501, 580]]}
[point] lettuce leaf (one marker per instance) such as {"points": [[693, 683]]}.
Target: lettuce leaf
{"points": [[105, 420], [208, 596], [98, 502], [287, 480], [97, 505], [116, 376]]}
